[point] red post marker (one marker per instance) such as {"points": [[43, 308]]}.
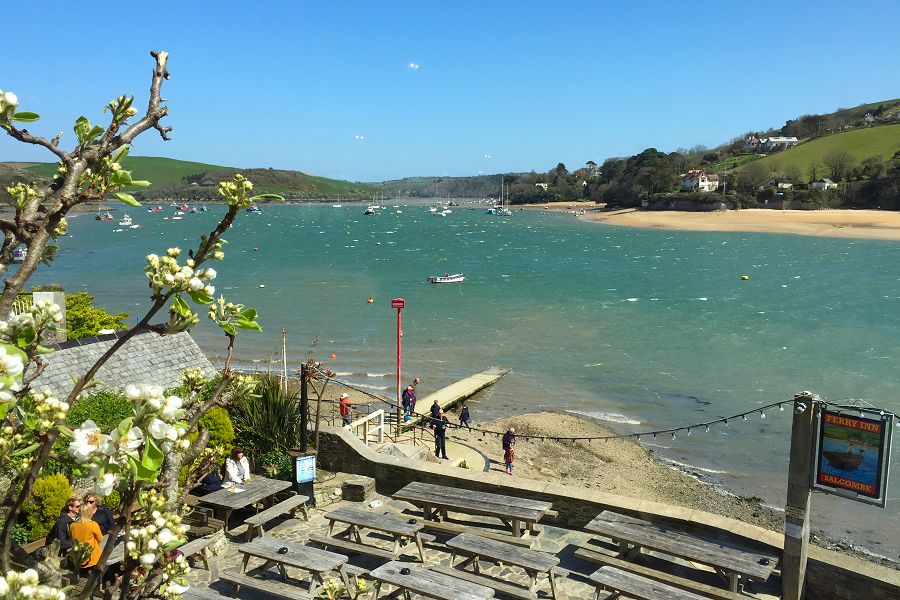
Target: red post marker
{"points": [[399, 304]]}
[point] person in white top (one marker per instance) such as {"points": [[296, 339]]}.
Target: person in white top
{"points": [[237, 467]]}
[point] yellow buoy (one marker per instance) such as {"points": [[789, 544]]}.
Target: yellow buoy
{"points": [[745, 277], [377, 243], [371, 300]]}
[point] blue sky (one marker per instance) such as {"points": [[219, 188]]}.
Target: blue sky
{"points": [[496, 86]]}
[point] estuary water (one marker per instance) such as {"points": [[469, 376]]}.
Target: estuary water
{"points": [[641, 329]]}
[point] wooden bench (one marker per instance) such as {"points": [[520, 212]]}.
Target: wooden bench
{"points": [[504, 588], [200, 546], [455, 529], [636, 587], [291, 505], [427, 582], [326, 541], [273, 588], [709, 591], [195, 593]]}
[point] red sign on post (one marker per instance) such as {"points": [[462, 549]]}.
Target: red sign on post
{"points": [[398, 303]]}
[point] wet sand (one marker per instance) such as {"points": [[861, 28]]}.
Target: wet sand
{"points": [[860, 224]]}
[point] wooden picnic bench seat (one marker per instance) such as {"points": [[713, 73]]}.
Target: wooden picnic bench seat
{"points": [[255, 524], [636, 587], [427, 582], [730, 560], [455, 528], [196, 593], [273, 588], [507, 589], [199, 546], [353, 547], [589, 554]]}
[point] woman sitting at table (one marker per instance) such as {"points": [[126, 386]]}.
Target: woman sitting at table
{"points": [[237, 467]]}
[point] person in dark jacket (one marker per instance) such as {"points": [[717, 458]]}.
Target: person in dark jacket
{"points": [[103, 517], [440, 435], [464, 416], [409, 402], [61, 529], [435, 411], [210, 483]]}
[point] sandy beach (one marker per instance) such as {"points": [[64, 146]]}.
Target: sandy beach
{"points": [[860, 224]]}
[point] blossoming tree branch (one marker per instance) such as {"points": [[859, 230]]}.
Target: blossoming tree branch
{"points": [[142, 457]]}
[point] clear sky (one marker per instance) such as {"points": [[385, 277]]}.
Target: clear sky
{"points": [[378, 90]]}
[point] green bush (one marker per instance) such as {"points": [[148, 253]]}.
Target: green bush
{"points": [[85, 320], [19, 534], [218, 422], [275, 463], [269, 420], [113, 501], [106, 408], [47, 501]]}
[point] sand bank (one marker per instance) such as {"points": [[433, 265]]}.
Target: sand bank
{"points": [[861, 224]]}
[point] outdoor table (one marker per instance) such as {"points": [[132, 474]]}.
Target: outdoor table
{"points": [[531, 561], [729, 560], [248, 494], [427, 583], [398, 527], [314, 560], [436, 500]]}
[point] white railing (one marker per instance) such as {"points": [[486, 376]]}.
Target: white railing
{"points": [[22, 304], [368, 427]]}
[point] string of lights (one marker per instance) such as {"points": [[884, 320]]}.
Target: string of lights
{"points": [[703, 426]]}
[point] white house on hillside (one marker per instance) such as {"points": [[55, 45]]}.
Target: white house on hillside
{"points": [[779, 184], [699, 180], [822, 184], [775, 144]]}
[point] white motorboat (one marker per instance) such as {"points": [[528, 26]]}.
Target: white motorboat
{"points": [[126, 221], [19, 254], [447, 278]]}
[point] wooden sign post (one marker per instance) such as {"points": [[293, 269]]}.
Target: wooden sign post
{"points": [[796, 510]]}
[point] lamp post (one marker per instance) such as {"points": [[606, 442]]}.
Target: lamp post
{"points": [[399, 304]]}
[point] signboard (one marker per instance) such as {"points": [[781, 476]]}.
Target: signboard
{"points": [[398, 303], [306, 468], [853, 453]]}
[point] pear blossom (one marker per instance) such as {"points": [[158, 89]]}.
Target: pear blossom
{"points": [[195, 284], [88, 439], [160, 430], [171, 408], [209, 273], [132, 440], [148, 558], [10, 364], [106, 483]]}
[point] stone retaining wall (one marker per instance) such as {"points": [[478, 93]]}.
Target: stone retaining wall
{"points": [[830, 575]]}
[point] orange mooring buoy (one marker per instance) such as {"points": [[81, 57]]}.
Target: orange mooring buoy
{"points": [[333, 356], [371, 300]]}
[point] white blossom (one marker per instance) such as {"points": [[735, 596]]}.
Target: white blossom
{"points": [[106, 484], [132, 439], [88, 439]]}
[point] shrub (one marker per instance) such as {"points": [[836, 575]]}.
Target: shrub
{"points": [[275, 463], [85, 320], [47, 501], [221, 431], [114, 500], [268, 420], [19, 534], [106, 408]]}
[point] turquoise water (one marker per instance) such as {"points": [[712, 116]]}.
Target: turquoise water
{"points": [[643, 329]]}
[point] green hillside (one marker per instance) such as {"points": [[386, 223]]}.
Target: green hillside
{"points": [[882, 141], [154, 169], [172, 178]]}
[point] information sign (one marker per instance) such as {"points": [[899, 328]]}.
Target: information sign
{"points": [[853, 454], [306, 468]]}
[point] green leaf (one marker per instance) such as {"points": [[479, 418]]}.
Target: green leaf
{"points": [[26, 117], [245, 324], [141, 473], [140, 183], [10, 349], [249, 314], [229, 329], [180, 306], [201, 297], [153, 456], [127, 199], [27, 336], [124, 425], [95, 131], [44, 350], [27, 450], [119, 154], [266, 197]]}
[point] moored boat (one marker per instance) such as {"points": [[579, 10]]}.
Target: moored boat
{"points": [[19, 254], [254, 209], [447, 278]]}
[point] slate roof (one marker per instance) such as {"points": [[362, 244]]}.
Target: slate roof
{"points": [[146, 358]]}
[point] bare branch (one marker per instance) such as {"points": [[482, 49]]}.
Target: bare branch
{"points": [[23, 136], [155, 112]]}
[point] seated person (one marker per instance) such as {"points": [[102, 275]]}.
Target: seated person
{"points": [[210, 483], [86, 531], [103, 516], [60, 531], [237, 467]]}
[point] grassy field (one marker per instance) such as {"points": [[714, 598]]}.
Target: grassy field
{"points": [[735, 162], [154, 169], [881, 141]]}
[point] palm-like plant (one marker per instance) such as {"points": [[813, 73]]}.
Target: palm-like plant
{"points": [[268, 419]]}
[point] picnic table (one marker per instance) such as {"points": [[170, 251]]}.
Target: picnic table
{"points": [[413, 578], [532, 562], [275, 551], [399, 528], [729, 560], [436, 500], [244, 494]]}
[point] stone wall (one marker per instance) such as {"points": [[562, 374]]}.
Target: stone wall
{"points": [[830, 575]]}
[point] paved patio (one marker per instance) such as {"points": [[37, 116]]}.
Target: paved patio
{"points": [[557, 541]]}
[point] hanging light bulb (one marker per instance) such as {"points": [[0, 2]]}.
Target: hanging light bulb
{"points": [[762, 414], [673, 435], [743, 417], [726, 422], [707, 429], [573, 441], [689, 431], [781, 407]]}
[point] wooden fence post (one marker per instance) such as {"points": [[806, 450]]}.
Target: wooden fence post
{"points": [[796, 509]]}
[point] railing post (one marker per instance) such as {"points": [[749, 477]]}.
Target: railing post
{"points": [[796, 510]]}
